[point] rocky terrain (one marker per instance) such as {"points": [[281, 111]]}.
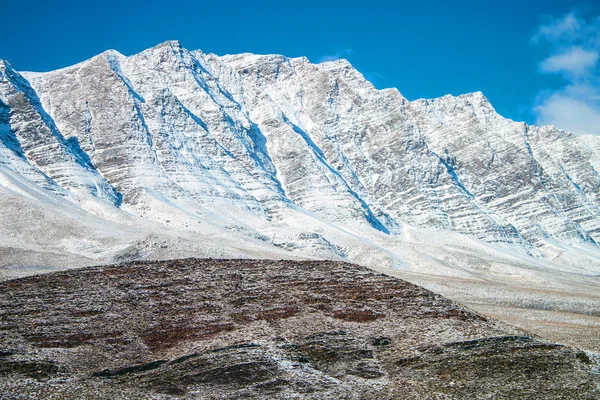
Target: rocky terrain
{"points": [[219, 329]]}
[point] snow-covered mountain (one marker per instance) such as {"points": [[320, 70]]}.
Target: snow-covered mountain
{"points": [[172, 152]]}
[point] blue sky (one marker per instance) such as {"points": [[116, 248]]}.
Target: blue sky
{"points": [[424, 48]]}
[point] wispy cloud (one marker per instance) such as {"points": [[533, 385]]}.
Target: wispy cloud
{"points": [[573, 43], [340, 54], [570, 110], [573, 61], [557, 29]]}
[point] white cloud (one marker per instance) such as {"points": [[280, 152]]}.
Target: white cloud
{"points": [[574, 61], [574, 47], [340, 54], [570, 112], [566, 27]]}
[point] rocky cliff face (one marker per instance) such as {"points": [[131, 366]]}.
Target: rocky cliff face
{"points": [[451, 163], [261, 144]]}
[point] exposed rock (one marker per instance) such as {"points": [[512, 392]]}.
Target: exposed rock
{"points": [[265, 329]]}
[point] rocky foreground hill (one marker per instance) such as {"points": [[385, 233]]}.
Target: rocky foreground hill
{"points": [[265, 329]]}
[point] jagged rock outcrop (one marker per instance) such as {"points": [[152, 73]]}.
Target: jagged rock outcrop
{"points": [[265, 329]]}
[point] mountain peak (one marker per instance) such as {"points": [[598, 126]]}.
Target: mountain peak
{"points": [[340, 61], [111, 55], [5, 65], [169, 43], [477, 97], [475, 103]]}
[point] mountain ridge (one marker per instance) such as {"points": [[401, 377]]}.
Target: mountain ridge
{"points": [[168, 132]]}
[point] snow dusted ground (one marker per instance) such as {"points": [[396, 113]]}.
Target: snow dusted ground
{"points": [[557, 299], [170, 153]]}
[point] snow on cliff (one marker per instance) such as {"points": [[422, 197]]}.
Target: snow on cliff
{"points": [[172, 152]]}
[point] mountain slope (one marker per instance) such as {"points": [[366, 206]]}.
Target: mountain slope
{"points": [[265, 133], [451, 163]]}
